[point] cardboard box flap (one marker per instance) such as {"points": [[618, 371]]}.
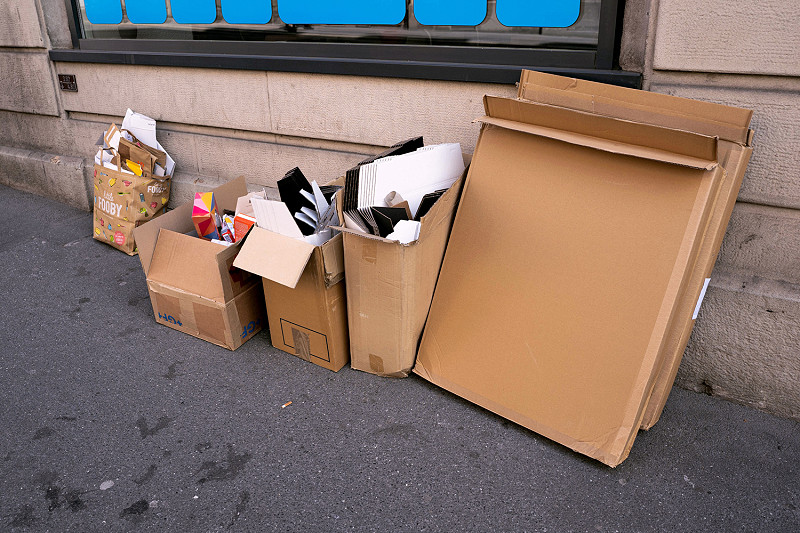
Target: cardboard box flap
{"points": [[200, 275], [228, 194], [146, 235], [727, 122], [333, 259], [442, 211], [273, 256], [618, 136]]}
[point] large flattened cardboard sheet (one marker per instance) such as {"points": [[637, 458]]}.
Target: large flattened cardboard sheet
{"points": [[559, 282], [730, 124]]}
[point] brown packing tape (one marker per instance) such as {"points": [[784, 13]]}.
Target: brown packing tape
{"points": [[369, 252], [227, 324], [302, 344], [210, 321], [172, 311], [306, 343], [375, 364], [333, 260]]}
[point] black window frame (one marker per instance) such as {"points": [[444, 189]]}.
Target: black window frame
{"points": [[432, 62]]}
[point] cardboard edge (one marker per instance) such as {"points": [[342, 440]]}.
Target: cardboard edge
{"points": [[146, 235], [669, 312], [697, 151], [256, 251], [661, 103], [666, 378], [528, 424], [333, 260]]}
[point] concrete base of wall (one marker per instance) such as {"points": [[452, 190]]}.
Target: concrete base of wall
{"points": [[59, 177], [746, 343], [69, 179]]}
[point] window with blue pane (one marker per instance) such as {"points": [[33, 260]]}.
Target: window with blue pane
{"points": [[558, 24]]}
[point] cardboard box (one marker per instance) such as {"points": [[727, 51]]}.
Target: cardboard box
{"points": [[193, 285], [389, 289], [305, 293], [569, 256], [730, 124]]}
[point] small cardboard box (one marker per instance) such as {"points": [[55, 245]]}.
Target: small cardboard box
{"points": [[193, 285], [730, 124], [389, 289], [569, 257], [305, 293]]}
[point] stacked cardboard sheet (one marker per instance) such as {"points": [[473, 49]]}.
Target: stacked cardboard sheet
{"points": [[589, 222]]}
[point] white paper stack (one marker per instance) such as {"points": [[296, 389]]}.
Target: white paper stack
{"points": [[411, 175]]}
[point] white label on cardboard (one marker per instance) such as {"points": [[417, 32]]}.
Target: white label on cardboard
{"points": [[700, 299], [108, 206]]}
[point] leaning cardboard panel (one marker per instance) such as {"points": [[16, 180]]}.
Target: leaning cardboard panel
{"points": [[389, 289], [568, 256], [730, 124], [305, 294], [193, 285]]}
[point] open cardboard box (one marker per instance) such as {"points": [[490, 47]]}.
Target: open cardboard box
{"points": [[193, 284], [570, 255], [730, 124], [390, 286], [305, 294]]}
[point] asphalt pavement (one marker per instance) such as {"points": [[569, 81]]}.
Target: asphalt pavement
{"points": [[112, 422]]}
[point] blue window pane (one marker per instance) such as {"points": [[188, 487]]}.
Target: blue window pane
{"points": [[194, 11], [342, 12], [246, 11], [146, 11], [538, 13], [450, 12], [103, 11]]}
